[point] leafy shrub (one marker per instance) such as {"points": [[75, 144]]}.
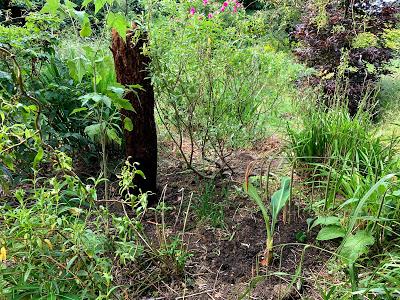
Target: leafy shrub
{"points": [[51, 250], [216, 88], [392, 39], [344, 43], [370, 228], [365, 40], [57, 243]]}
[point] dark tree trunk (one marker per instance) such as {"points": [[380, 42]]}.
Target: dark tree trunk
{"points": [[141, 143]]}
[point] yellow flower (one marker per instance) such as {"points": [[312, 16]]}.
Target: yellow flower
{"points": [[3, 254]]}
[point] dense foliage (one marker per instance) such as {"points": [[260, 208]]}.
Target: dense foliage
{"points": [[348, 44], [265, 110]]}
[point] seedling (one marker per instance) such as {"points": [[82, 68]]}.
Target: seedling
{"points": [[271, 213]]}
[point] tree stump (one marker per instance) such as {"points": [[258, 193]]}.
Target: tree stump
{"points": [[131, 67]]}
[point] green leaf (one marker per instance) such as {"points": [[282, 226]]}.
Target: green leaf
{"points": [[112, 135], [80, 15], [82, 273], [121, 103], [356, 245], [69, 296], [128, 125], [70, 5], [77, 67], [106, 100], [118, 22], [8, 161], [330, 232], [348, 202], [253, 194], [71, 262], [279, 200], [77, 110], [51, 6], [97, 98], [118, 90], [93, 130], [86, 30], [133, 87], [86, 2], [98, 4], [140, 173], [38, 158], [396, 193], [301, 236], [51, 297], [330, 220], [27, 273]]}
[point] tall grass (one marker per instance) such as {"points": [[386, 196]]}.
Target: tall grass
{"points": [[341, 154], [353, 171]]}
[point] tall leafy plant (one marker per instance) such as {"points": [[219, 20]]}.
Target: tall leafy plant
{"points": [[270, 213], [104, 98]]}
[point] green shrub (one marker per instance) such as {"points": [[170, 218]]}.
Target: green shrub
{"points": [[216, 87], [51, 249], [56, 242], [365, 40]]}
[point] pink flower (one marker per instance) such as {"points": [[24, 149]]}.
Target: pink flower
{"points": [[222, 8], [205, 2], [192, 11], [210, 15], [235, 9], [225, 4]]}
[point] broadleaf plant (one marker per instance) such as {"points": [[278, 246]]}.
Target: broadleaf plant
{"points": [[270, 213]]}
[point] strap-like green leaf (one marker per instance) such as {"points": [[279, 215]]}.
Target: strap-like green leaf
{"points": [[279, 200], [252, 192]]}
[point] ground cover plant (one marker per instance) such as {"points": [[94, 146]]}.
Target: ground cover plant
{"points": [[199, 149]]}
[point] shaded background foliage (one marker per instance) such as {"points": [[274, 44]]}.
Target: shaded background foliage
{"points": [[346, 41]]}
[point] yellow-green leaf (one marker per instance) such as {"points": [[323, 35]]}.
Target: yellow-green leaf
{"points": [[51, 6], [128, 125], [118, 22]]}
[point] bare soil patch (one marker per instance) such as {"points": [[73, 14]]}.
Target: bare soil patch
{"points": [[225, 260]]}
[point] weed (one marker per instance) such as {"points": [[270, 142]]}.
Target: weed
{"points": [[174, 256], [207, 209]]}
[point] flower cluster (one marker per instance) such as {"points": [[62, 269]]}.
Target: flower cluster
{"points": [[214, 8]]}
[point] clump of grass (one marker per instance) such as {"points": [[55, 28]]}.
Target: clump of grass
{"points": [[341, 153], [207, 209], [355, 172]]}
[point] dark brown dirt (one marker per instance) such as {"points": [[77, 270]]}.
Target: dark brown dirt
{"points": [[225, 261]]}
